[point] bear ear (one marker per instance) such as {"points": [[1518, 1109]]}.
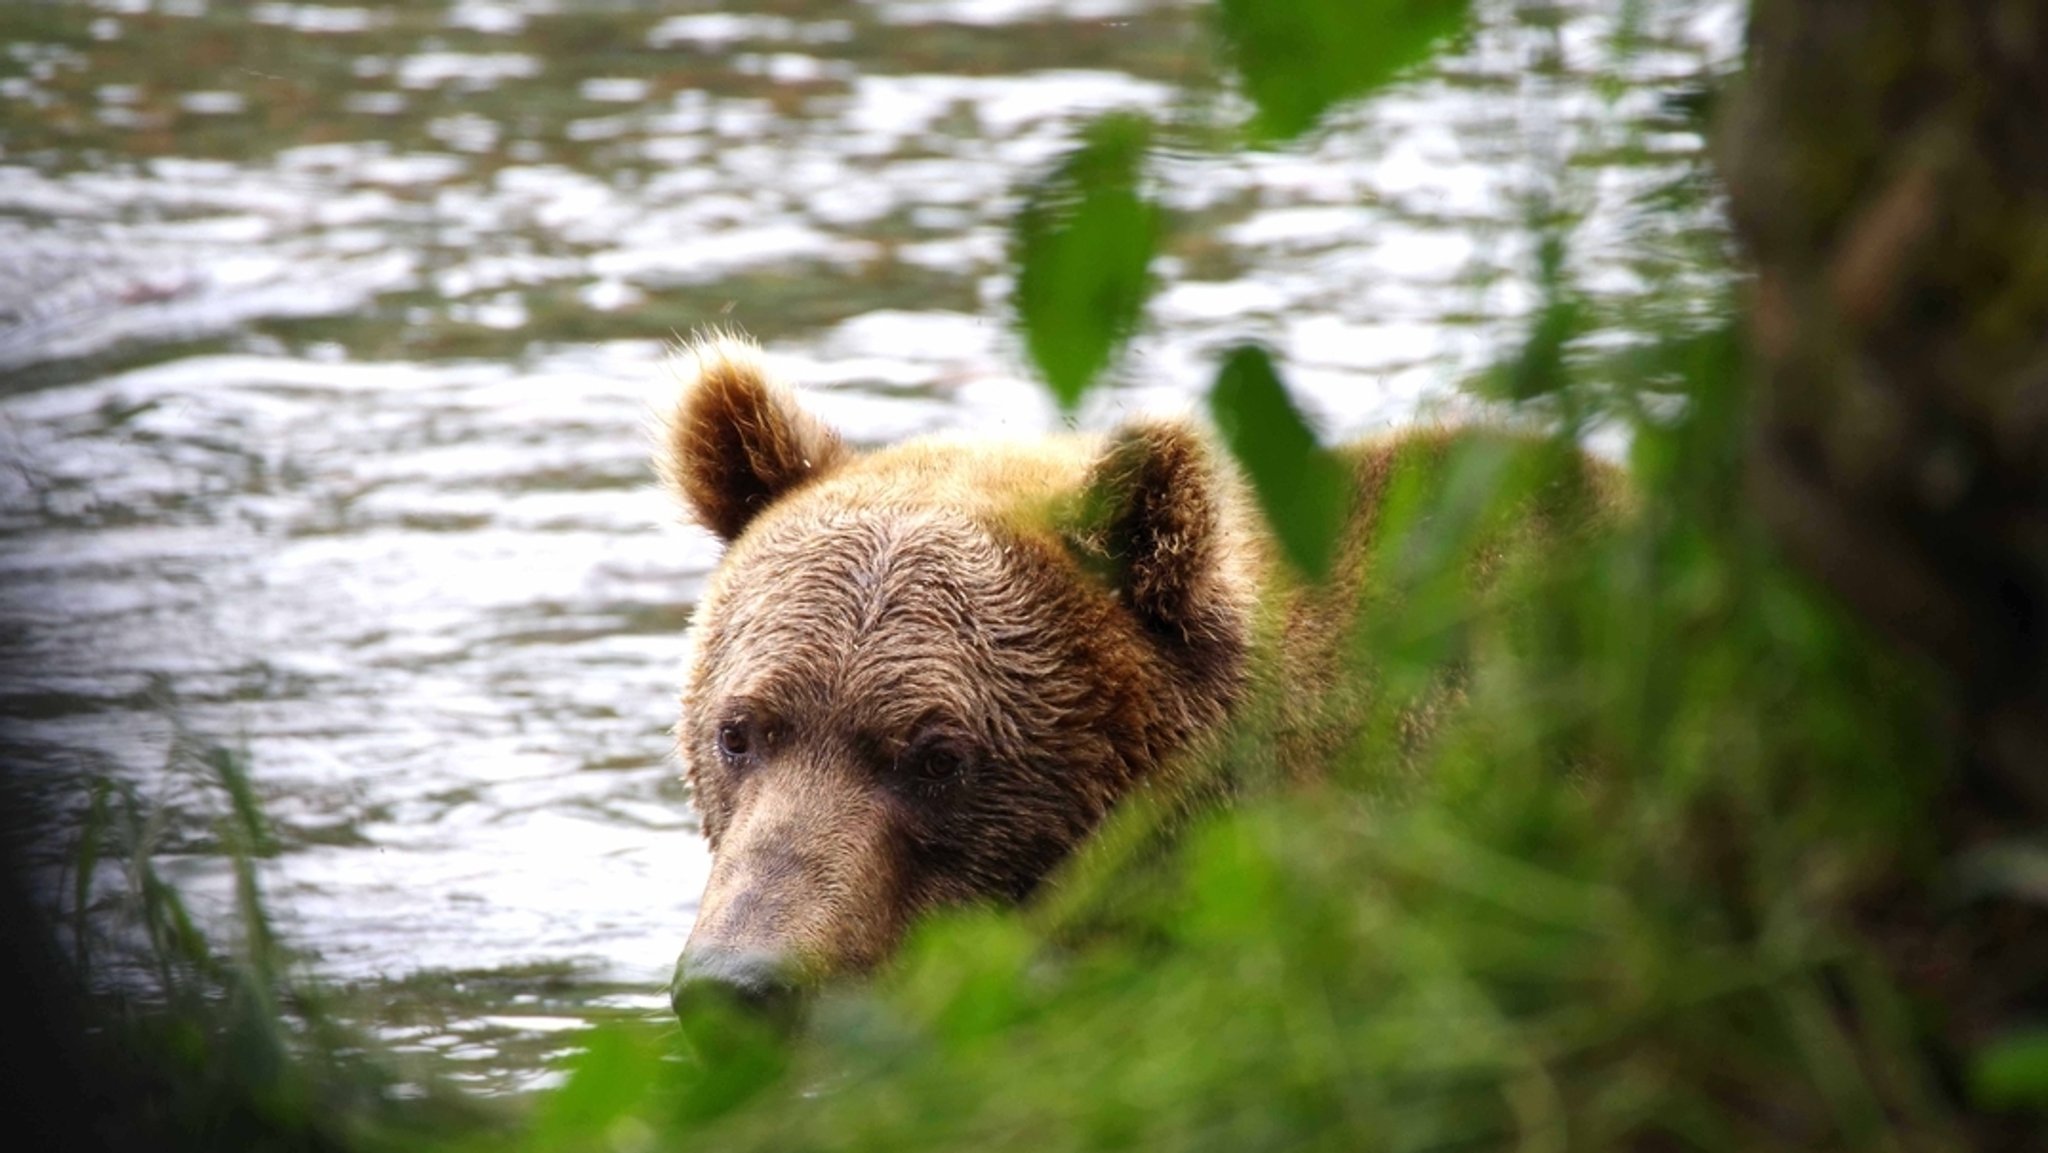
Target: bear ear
{"points": [[1153, 517], [738, 441]]}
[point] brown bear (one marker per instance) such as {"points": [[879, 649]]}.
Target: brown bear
{"points": [[922, 675]]}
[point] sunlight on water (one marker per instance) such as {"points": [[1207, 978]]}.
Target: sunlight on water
{"points": [[328, 364]]}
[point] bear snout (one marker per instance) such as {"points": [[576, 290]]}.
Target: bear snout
{"points": [[758, 979], [801, 884]]}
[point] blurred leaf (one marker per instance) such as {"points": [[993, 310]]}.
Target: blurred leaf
{"points": [[1235, 885], [90, 835], [1299, 57], [2013, 1072], [1084, 239], [967, 976], [1299, 484], [250, 833], [610, 1079], [730, 1054], [1539, 369], [1445, 506]]}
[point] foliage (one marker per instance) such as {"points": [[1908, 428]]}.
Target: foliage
{"points": [[1300, 485], [1630, 883], [1084, 238], [1298, 59], [219, 1047]]}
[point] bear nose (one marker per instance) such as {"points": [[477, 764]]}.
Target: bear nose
{"points": [[757, 979]]}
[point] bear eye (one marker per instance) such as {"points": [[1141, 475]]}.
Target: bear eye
{"points": [[935, 762], [735, 740]]}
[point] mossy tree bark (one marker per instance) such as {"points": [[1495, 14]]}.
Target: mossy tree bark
{"points": [[1887, 168]]}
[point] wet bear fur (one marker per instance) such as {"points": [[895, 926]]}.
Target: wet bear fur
{"points": [[922, 675]]}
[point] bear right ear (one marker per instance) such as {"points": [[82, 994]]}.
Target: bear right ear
{"points": [[739, 441]]}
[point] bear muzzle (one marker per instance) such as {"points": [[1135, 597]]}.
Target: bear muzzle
{"points": [[803, 887], [759, 980]]}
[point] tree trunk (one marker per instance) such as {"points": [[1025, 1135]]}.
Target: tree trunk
{"points": [[1887, 167]]}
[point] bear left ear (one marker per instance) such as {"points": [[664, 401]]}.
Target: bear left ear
{"points": [[1154, 516], [738, 441]]}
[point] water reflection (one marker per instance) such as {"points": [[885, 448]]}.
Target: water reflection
{"points": [[329, 332]]}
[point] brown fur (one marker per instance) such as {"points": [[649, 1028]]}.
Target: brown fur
{"points": [[945, 661], [738, 442]]}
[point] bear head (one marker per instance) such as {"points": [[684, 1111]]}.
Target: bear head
{"points": [[921, 675]]}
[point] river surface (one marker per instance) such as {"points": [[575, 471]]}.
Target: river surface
{"points": [[330, 334]]}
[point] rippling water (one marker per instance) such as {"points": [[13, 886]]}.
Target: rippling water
{"points": [[329, 334]]}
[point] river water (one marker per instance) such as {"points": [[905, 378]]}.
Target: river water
{"points": [[329, 335]]}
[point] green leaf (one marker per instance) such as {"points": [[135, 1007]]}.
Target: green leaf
{"points": [[1299, 57], [1540, 368], [613, 1077], [729, 1054], [90, 835], [249, 833], [2013, 1072], [1300, 485], [967, 976], [1084, 240]]}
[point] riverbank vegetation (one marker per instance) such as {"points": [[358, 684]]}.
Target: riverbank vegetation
{"points": [[1705, 851]]}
